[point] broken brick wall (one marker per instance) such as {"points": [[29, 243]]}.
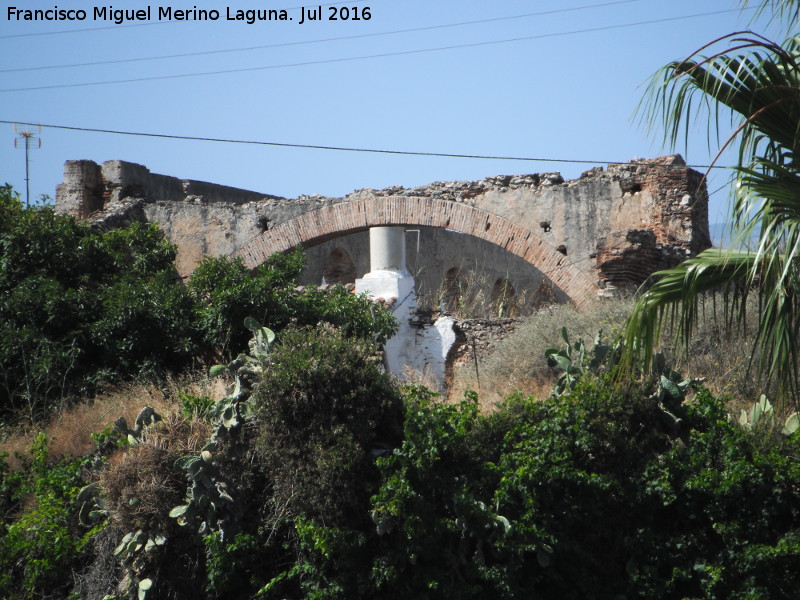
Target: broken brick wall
{"points": [[617, 225]]}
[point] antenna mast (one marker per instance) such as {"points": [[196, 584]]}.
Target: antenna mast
{"points": [[31, 140]]}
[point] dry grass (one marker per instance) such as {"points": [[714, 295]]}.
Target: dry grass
{"points": [[141, 486], [69, 432], [724, 358], [421, 378], [518, 364], [469, 292]]}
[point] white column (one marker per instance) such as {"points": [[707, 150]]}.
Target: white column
{"points": [[387, 249], [412, 349], [388, 279]]}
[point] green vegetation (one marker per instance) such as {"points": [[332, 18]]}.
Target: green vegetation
{"points": [[557, 499], [226, 293], [79, 306], [597, 493], [316, 477], [39, 543]]}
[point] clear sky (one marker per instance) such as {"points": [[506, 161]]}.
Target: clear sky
{"points": [[562, 82]]}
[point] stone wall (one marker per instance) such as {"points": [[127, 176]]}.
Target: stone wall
{"points": [[614, 225], [479, 337], [202, 219]]}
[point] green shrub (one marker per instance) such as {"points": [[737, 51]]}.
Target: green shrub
{"points": [[433, 512], [726, 518], [227, 293], [40, 541], [78, 305], [196, 407], [321, 408], [232, 566], [592, 495]]}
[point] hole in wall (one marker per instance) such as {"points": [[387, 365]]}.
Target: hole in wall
{"points": [[503, 298], [339, 267], [630, 187], [452, 290]]}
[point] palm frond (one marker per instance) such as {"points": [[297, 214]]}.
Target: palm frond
{"points": [[676, 300], [757, 90], [676, 296], [756, 84], [787, 11]]}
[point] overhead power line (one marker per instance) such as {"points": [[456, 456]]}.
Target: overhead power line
{"points": [[319, 41], [343, 148], [90, 29], [370, 56]]}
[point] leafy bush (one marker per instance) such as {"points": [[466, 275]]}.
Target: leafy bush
{"points": [[592, 495], [195, 406], [321, 408], [227, 293], [725, 520], [78, 305], [232, 566], [438, 528], [40, 542]]}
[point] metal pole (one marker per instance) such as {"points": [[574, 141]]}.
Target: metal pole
{"points": [[27, 177], [27, 135]]}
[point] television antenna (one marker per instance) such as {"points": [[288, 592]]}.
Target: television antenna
{"points": [[28, 139]]}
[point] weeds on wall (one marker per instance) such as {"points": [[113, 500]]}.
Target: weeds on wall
{"points": [[469, 291]]}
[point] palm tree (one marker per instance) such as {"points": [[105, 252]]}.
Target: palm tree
{"points": [[757, 83]]}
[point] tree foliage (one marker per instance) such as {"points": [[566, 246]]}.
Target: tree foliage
{"points": [[591, 495], [80, 306], [227, 293]]}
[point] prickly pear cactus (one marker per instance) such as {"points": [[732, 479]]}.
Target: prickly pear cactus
{"points": [[208, 502], [147, 417]]}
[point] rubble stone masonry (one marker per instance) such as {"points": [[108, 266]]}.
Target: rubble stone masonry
{"points": [[605, 231]]}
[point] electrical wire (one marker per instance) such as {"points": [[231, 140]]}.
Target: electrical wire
{"points": [[319, 41], [342, 148], [371, 56]]}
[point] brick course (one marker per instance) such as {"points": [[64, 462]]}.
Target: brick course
{"points": [[339, 219]]}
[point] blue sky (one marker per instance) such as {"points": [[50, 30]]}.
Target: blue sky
{"points": [[569, 91]]}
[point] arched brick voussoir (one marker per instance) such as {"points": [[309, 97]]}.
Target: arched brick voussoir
{"points": [[339, 219]]}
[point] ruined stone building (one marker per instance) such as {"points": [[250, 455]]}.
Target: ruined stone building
{"points": [[512, 242]]}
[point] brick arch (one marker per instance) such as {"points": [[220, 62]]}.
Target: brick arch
{"points": [[334, 220]]}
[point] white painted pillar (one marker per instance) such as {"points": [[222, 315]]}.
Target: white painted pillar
{"points": [[413, 349], [388, 279], [387, 249]]}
